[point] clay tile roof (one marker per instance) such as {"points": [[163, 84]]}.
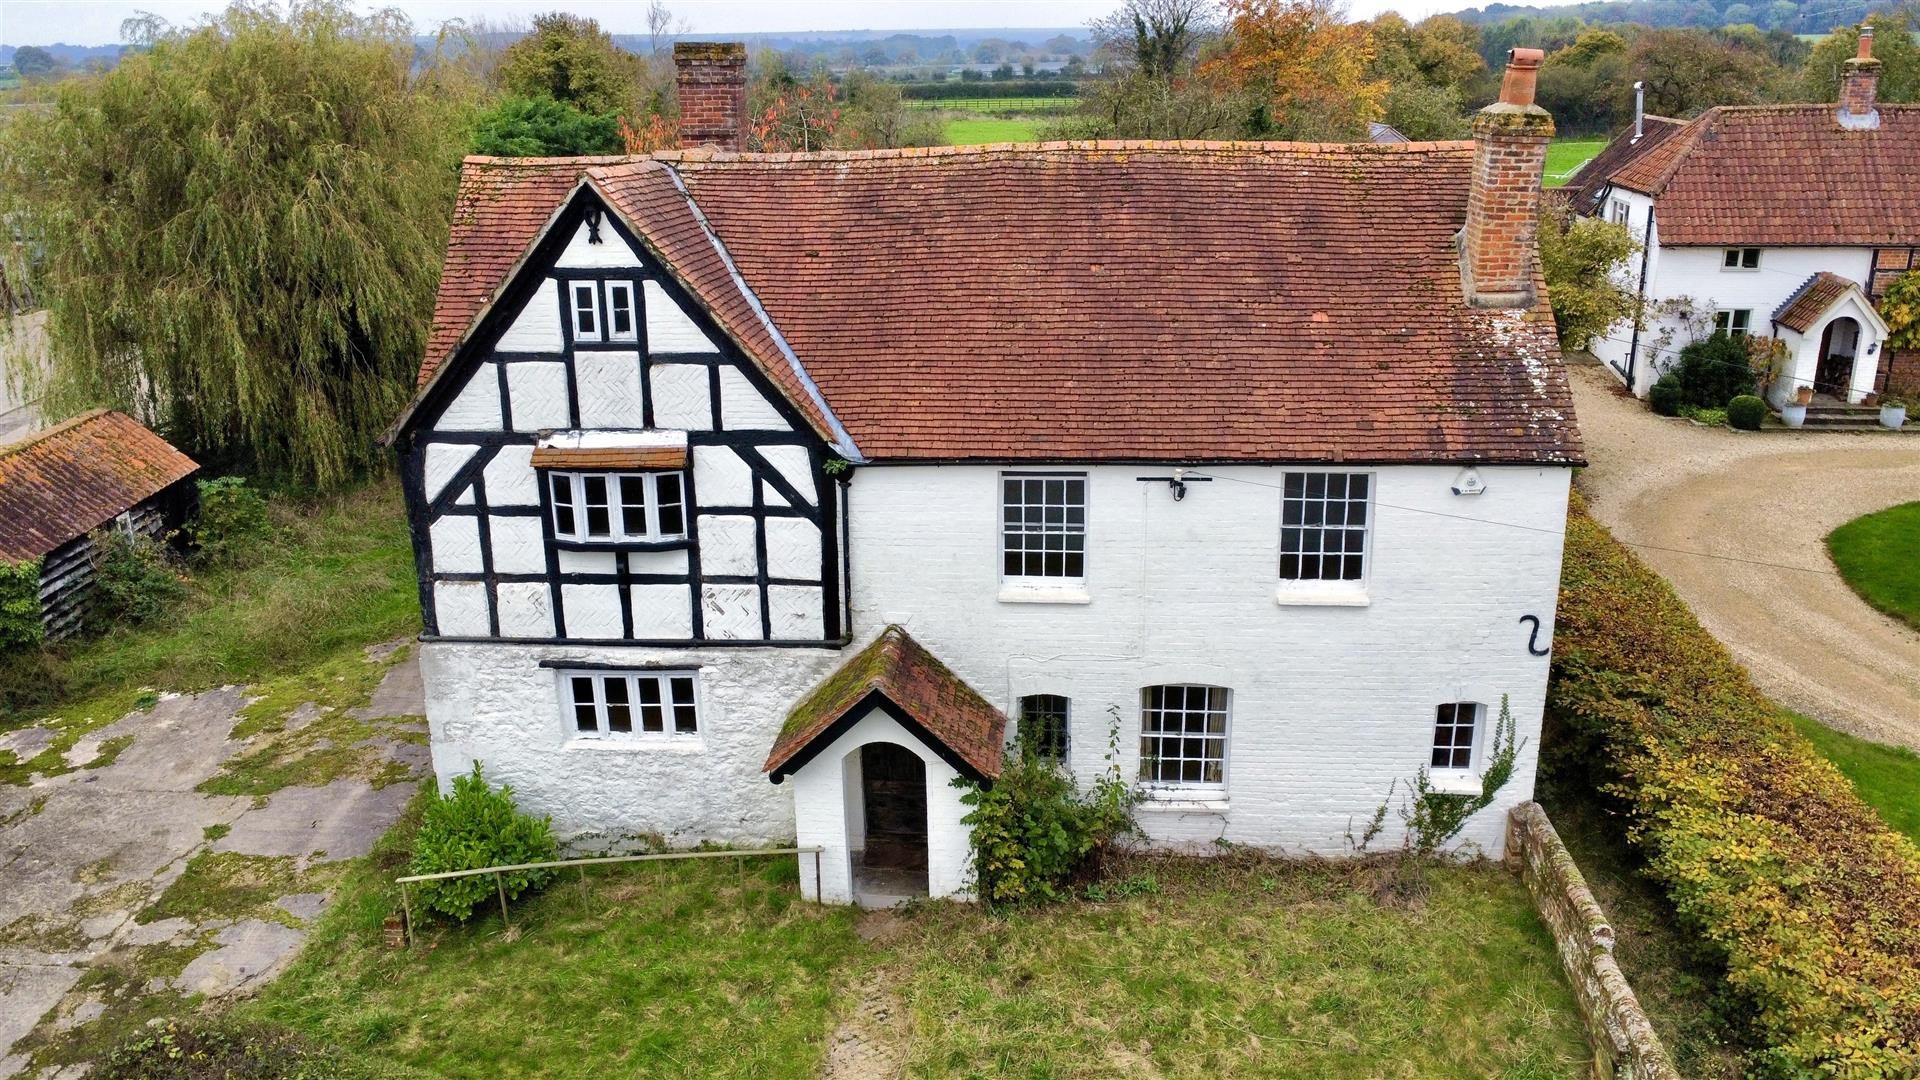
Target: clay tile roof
{"points": [[1815, 297], [76, 476], [1196, 301], [1588, 186], [1784, 175], [950, 715]]}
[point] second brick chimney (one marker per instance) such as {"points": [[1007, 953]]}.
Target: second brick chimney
{"points": [[1497, 244], [711, 79], [1859, 85]]}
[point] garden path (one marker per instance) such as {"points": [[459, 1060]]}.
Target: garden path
{"points": [[1765, 498]]}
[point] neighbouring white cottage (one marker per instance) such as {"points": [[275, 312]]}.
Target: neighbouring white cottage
{"points": [[761, 496], [1779, 220]]}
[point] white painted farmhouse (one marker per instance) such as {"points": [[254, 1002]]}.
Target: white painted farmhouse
{"points": [[760, 496], [1778, 220]]}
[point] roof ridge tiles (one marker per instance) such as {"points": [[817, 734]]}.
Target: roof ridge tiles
{"points": [[56, 430]]}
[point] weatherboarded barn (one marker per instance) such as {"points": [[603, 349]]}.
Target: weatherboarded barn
{"points": [[57, 487]]}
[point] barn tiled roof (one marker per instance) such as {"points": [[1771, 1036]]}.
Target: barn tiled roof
{"points": [[1811, 300], [76, 476], [897, 667], [1784, 175], [1089, 301], [1588, 186]]}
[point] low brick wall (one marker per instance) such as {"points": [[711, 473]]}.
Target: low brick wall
{"points": [[1623, 1042]]}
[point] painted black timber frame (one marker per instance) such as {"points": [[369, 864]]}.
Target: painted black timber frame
{"points": [[853, 714], [533, 274]]}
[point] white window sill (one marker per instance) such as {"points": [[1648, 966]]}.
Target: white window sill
{"points": [[1314, 594], [684, 745], [1454, 782], [1183, 802], [1012, 593]]}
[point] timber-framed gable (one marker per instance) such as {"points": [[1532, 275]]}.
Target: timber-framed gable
{"points": [[757, 559]]}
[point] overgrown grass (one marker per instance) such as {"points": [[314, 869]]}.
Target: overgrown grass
{"points": [[1876, 555], [340, 576], [1238, 966], [1565, 156], [1886, 778], [973, 130]]}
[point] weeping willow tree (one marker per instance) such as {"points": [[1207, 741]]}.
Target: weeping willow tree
{"points": [[236, 232]]}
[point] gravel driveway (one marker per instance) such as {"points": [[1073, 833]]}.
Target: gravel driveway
{"points": [[1771, 497]]}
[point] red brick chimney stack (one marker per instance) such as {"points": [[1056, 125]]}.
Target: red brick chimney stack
{"points": [[711, 77], [1498, 255], [1859, 85]]}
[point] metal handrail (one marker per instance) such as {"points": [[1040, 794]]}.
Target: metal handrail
{"points": [[406, 907]]}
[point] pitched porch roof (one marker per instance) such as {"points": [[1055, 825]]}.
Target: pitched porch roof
{"points": [[1818, 295], [899, 676]]}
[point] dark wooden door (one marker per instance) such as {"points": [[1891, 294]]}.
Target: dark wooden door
{"points": [[1834, 375], [894, 788]]}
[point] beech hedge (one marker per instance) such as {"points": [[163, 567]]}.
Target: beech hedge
{"points": [[1798, 887]]}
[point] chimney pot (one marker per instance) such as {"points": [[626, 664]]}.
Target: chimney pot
{"points": [[711, 80], [1523, 70], [1866, 42]]}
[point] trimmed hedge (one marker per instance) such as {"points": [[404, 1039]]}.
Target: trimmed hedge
{"points": [[1746, 412], [1805, 894]]}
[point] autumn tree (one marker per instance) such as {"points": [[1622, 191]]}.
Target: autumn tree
{"points": [[240, 229], [1893, 46], [1585, 84], [1578, 258], [1430, 69], [1689, 71], [570, 59], [1305, 64]]}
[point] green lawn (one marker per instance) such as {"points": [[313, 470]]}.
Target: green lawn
{"points": [[973, 130], [996, 104], [1244, 966], [1886, 777], [340, 576], [1876, 555], [1566, 155]]}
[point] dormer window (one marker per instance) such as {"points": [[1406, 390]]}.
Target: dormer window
{"points": [[617, 508], [602, 310]]}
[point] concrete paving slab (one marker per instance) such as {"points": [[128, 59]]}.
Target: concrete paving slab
{"points": [[249, 951], [179, 743], [303, 906], [400, 692], [339, 821], [27, 992], [27, 742]]}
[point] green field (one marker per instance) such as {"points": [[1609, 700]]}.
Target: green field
{"points": [[974, 130], [996, 104], [1565, 156], [1875, 555]]}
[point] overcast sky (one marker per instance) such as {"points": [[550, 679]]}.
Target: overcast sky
{"points": [[97, 22]]}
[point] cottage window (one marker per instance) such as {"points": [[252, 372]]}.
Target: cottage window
{"points": [[1740, 259], [586, 311], [1734, 322], [1183, 736], [1043, 725], [616, 322], [617, 705], [1618, 212], [618, 507], [1043, 532], [1454, 729], [620, 310], [1323, 526]]}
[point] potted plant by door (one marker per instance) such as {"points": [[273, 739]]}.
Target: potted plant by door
{"points": [[1893, 406], [1803, 396]]}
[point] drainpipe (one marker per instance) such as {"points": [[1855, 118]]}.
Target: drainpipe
{"points": [[1639, 112], [1640, 302]]}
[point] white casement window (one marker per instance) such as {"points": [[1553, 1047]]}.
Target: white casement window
{"points": [[1042, 725], [615, 320], [1323, 526], [1735, 322], [1740, 259], [1183, 736], [618, 507], [1618, 212], [632, 704], [1456, 729], [1043, 526]]}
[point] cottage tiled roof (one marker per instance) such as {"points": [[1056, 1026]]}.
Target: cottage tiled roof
{"points": [[1784, 175], [76, 476], [947, 711], [1811, 300], [1588, 186], [1095, 301]]}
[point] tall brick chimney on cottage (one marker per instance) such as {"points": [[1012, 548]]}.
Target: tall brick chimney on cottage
{"points": [[1859, 85], [711, 78], [1497, 244]]}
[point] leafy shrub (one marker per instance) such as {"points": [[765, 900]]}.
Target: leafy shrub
{"points": [[472, 827], [134, 578], [542, 127], [1746, 412], [1900, 306], [223, 1049], [1034, 831], [1714, 370], [20, 626], [1709, 417], [232, 528], [1577, 257], [1664, 398], [1805, 895]]}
